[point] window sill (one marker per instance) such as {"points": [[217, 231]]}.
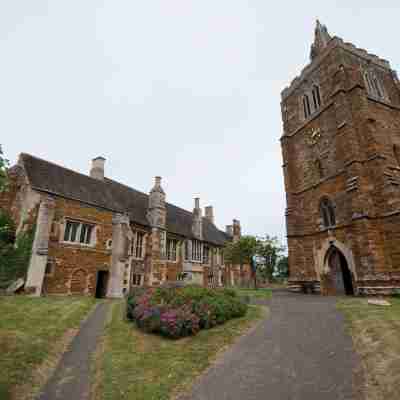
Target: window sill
{"points": [[77, 244]]}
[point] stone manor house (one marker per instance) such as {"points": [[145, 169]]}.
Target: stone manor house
{"points": [[341, 152], [95, 236]]}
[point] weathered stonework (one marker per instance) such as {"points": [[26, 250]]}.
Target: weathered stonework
{"points": [[127, 242], [343, 151]]}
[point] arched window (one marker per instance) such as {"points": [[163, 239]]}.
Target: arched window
{"points": [[327, 213], [396, 152], [374, 86], [306, 106], [316, 97]]}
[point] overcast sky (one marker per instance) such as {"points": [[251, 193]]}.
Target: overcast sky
{"points": [[185, 89]]}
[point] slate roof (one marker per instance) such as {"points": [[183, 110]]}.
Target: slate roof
{"points": [[48, 177]]}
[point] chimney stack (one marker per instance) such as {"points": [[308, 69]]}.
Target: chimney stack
{"points": [[197, 227], [97, 170], [209, 213], [237, 230], [229, 230]]}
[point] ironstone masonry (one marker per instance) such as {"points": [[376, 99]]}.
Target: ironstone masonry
{"points": [[95, 236], [341, 163]]}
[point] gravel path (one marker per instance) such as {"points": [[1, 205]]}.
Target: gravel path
{"points": [[71, 380], [301, 352]]}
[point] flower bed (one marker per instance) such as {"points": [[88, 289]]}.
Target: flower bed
{"points": [[182, 311]]}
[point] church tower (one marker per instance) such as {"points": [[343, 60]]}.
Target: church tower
{"points": [[341, 153]]}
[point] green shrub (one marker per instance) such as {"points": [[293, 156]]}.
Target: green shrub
{"points": [[182, 311], [15, 253]]}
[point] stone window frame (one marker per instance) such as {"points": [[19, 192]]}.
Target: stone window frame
{"points": [[197, 251], [134, 249], [327, 213], [373, 85], [172, 249], [207, 254], [311, 100], [80, 222], [137, 279]]}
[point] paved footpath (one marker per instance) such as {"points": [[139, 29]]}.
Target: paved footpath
{"points": [[71, 379], [301, 352]]}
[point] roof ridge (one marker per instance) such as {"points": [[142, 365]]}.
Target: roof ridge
{"points": [[59, 166], [106, 179]]}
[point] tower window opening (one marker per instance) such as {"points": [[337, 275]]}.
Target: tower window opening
{"points": [[316, 97], [306, 106], [327, 213]]}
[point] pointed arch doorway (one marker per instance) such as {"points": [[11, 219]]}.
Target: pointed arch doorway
{"points": [[342, 280]]}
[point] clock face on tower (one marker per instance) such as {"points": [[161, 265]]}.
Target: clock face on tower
{"points": [[313, 136]]}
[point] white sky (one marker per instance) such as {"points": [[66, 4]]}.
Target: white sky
{"points": [[185, 89]]}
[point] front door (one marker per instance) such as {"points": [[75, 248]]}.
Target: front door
{"points": [[101, 286]]}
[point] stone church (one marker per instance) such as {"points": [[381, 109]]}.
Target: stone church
{"points": [[95, 236], [341, 163]]}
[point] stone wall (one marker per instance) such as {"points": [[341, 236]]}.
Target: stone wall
{"points": [[72, 262], [344, 152]]}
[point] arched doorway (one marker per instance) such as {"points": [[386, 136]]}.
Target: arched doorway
{"points": [[340, 273]]}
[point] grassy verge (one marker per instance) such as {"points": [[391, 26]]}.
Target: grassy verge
{"points": [[30, 329], [376, 336], [136, 365], [259, 293]]}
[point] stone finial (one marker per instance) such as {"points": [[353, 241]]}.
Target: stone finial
{"points": [[157, 213], [209, 213], [321, 40], [97, 170]]}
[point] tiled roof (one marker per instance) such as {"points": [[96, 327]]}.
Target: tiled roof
{"points": [[48, 177]]}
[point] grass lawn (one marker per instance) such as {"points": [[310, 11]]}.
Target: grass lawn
{"points": [[259, 293], [376, 336], [30, 329], [135, 365]]}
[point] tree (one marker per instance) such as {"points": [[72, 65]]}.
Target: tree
{"points": [[3, 170], [270, 250], [241, 252], [283, 267]]}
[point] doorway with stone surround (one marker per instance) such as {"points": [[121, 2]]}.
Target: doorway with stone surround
{"points": [[101, 284], [340, 275]]}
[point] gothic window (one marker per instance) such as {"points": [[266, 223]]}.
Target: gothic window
{"points": [[306, 106], [396, 152], [327, 213], [374, 86], [316, 97]]}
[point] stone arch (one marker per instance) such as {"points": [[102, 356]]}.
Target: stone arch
{"points": [[322, 258], [79, 282]]}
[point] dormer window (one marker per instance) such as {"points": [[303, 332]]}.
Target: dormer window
{"points": [[373, 84]]}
